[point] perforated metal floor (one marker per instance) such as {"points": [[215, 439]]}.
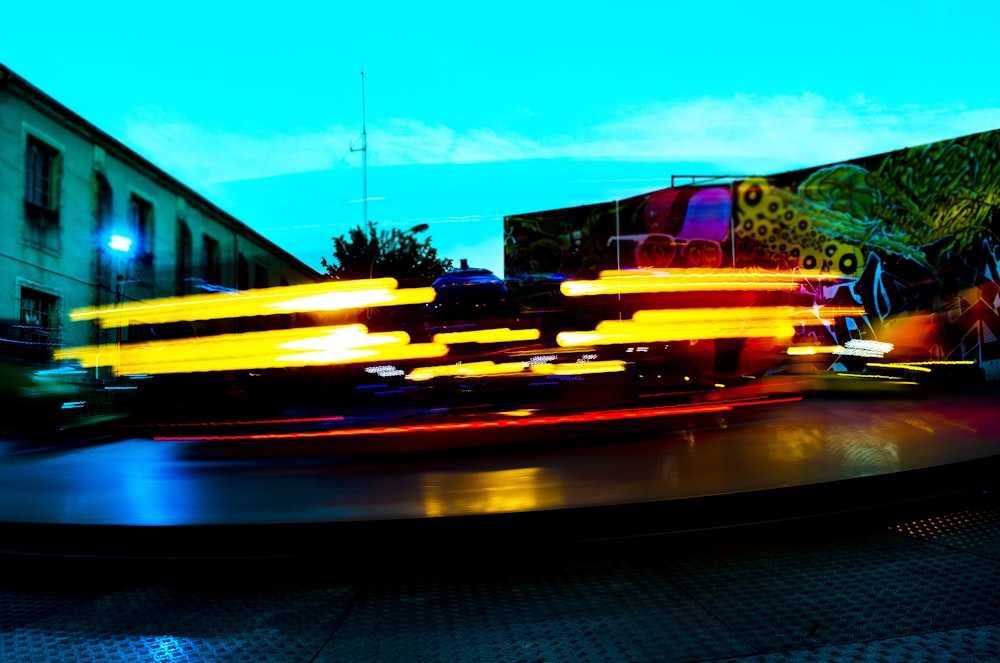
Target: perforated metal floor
{"points": [[923, 587]]}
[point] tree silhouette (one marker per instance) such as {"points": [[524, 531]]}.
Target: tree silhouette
{"points": [[365, 253]]}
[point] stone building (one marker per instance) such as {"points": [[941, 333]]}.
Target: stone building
{"points": [[89, 222]]}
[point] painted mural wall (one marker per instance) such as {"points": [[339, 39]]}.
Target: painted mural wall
{"points": [[911, 235]]}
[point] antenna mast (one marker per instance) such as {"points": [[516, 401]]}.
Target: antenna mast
{"points": [[364, 156]]}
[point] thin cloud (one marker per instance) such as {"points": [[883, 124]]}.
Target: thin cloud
{"points": [[775, 132], [406, 142], [201, 154], [794, 131]]}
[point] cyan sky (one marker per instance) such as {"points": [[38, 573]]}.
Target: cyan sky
{"points": [[239, 100]]}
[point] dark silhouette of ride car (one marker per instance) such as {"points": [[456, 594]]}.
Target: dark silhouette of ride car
{"points": [[468, 296]]}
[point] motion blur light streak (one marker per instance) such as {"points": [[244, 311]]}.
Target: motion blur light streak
{"points": [[355, 299], [471, 369], [314, 297], [687, 324], [863, 348], [874, 376], [681, 280], [488, 368], [259, 350], [384, 371], [503, 335], [912, 367], [544, 420], [580, 368], [806, 350], [252, 422], [922, 366], [344, 344]]}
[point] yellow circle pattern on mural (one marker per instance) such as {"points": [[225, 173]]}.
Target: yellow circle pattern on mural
{"points": [[764, 216]]}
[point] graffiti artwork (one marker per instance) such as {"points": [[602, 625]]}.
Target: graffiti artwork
{"points": [[911, 236]]}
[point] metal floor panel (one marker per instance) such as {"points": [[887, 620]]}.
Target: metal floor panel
{"points": [[605, 612], [972, 645], [155, 623], [919, 587], [975, 530], [826, 591]]}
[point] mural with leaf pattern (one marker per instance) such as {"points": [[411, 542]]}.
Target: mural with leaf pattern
{"points": [[912, 235]]}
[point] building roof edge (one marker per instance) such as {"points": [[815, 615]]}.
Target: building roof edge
{"points": [[10, 77]]}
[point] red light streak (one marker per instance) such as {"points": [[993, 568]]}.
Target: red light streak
{"points": [[258, 422], [604, 415]]}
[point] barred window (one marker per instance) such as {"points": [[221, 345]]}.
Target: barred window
{"points": [[39, 322]]}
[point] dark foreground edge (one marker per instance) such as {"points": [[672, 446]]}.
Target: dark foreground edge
{"points": [[853, 502]]}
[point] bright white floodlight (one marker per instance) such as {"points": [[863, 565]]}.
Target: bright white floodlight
{"points": [[120, 243]]}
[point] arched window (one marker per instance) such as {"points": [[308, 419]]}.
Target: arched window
{"points": [[140, 214], [212, 260]]}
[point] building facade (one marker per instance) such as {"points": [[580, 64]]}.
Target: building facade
{"points": [[89, 222], [911, 237]]}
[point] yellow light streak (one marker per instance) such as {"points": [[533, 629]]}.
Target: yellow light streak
{"points": [[911, 367], [920, 366], [502, 335], [806, 350], [580, 368], [536, 352], [258, 350], [490, 369], [873, 376], [681, 280], [326, 296], [687, 324], [937, 363], [471, 369]]}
